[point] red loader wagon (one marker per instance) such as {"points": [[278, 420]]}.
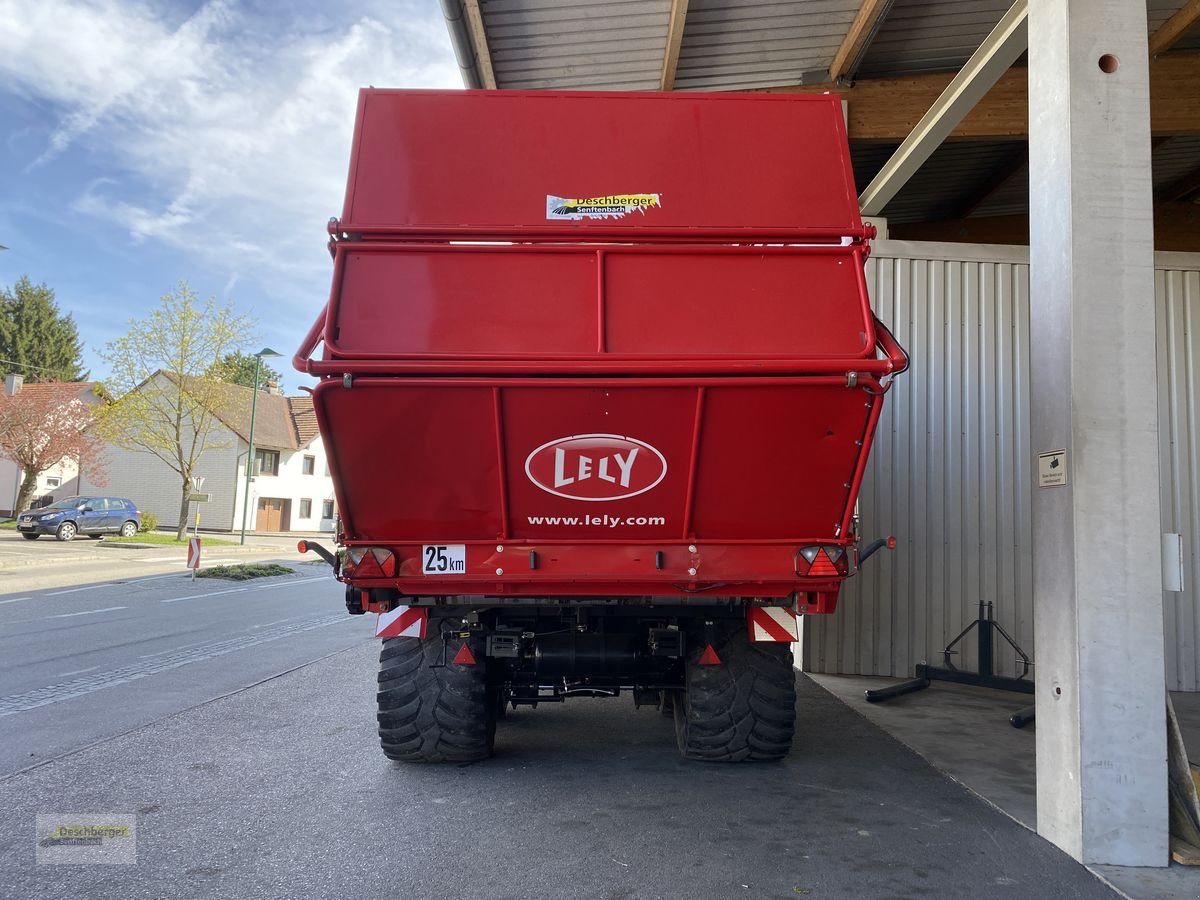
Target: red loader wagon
{"points": [[598, 379]]}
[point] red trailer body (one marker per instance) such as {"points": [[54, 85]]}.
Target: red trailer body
{"points": [[606, 346]]}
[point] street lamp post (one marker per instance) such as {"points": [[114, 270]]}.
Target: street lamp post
{"points": [[265, 352]]}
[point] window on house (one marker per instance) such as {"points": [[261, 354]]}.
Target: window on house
{"points": [[326, 509], [306, 508], [310, 465], [53, 482], [266, 462]]}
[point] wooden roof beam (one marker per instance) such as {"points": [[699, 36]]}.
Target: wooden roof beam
{"points": [[1170, 31], [483, 55], [995, 55], [675, 24], [887, 109], [862, 31]]}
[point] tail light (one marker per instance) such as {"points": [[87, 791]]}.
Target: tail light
{"points": [[369, 562], [818, 561]]}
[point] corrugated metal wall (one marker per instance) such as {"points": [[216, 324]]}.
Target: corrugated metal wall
{"points": [[950, 475], [1177, 309]]}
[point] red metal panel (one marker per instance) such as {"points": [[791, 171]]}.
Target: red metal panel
{"points": [[412, 463], [749, 303], [715, 162], [649, 432], [595, 459], [454, 301], [778, 460], [695, 306]]}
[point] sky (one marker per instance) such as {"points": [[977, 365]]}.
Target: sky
{"points": [[142, 144]]}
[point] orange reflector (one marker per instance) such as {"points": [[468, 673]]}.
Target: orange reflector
{"points": [[822, 565], [464, 657], [891, 543], [302, 546], [709, 657]]}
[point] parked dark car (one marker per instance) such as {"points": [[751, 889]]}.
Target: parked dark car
{"points": [[92, 516]]}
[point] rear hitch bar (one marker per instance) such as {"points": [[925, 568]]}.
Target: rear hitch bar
{"points": [[305, 546], [872, 548]]}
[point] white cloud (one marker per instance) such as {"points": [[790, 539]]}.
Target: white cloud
{"points": [[225, 133]]}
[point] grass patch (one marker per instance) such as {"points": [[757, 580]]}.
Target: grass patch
{"points": [[245, 571], [168, 539], [8, 523]]}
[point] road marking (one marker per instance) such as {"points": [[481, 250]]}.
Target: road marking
{"points": [[155, 559], [146, 578], [88, 612], [78, 687], [78, 671], [86, 587], [201, 596], [15, 600], [289, 583]]}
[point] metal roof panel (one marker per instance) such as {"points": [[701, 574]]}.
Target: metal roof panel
{"points": [[759, 43]]}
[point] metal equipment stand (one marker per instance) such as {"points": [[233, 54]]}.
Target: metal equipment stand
{"points": [[985, 626]]}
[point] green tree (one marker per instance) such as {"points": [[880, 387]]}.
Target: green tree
{"points": [[238, 368], [36, 340], [167, 404]]}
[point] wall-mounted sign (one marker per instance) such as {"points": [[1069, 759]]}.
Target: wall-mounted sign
{"points": [[1052, 468]]}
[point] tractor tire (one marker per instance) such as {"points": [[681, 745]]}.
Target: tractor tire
{"points": [[741, 710], [430, 709]]}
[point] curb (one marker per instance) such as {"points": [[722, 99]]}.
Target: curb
{"points": [[91, 555]]}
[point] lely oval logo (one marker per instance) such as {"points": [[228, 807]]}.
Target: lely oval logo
{"points": [[596, 467]]}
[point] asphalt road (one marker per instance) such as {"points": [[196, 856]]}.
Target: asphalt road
{"points": [[82, 663], [280, 792], [234, 723]]}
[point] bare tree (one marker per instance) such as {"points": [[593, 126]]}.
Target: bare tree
{"points": [[166, 406], [40, 426]]}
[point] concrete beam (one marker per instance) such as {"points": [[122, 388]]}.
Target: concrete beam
{"points": [[995, 55], [675, 25], [1098, 607]]}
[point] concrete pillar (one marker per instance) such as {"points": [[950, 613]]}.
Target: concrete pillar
{"points": [[1101, 744]]}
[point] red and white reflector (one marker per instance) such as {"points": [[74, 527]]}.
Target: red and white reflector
{"points": [[369, 562], [403, 621], [772, 624], [817, 561]]}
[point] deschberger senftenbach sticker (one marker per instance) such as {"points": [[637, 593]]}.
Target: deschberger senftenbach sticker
{"points": [[610, 206]]}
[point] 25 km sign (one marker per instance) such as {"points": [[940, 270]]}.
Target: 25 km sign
{"points": [[443, 559]]}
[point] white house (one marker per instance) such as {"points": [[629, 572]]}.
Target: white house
{"points": [[290, 489], [56, 482]]}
